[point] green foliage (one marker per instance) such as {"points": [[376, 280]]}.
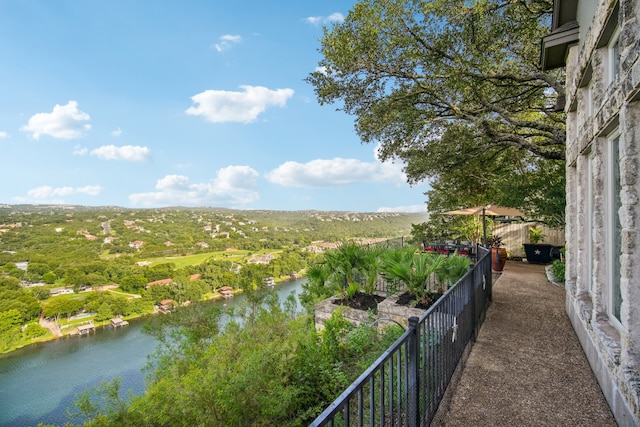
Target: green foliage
{"points": [[455, 90], [103, 404], [10, 334], [61, 306], [34, 330], [452, 269], [351, 290], [413, 269], [104, 312], [536, 235], [49, 277], [269, 368], [13, 296], [317, 286], [558, 269]]}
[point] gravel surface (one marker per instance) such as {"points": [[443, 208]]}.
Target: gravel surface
{"points": [[527, 367]]}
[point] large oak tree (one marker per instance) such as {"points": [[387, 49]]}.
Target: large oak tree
{"points": [[450, 85]]}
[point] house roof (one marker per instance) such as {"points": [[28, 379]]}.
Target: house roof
{"points": [[565, 31], [160, 282]]}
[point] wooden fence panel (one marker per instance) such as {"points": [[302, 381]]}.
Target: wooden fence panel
{"points": [[514, 234]]}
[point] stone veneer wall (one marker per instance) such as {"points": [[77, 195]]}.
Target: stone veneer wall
{"points": [[386, 309], [612, 350]]}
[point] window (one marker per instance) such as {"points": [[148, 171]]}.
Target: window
{"points": [[588, 224], [614, 55], [589, 100], [614, 227]]}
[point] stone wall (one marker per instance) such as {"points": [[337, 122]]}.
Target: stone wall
{"points": [[612, 345]]}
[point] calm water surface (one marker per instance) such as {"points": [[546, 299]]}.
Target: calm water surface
{"points": [[38, 383]]}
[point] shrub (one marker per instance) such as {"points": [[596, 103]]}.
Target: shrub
{"points": [[34, 330], [557, 268]]}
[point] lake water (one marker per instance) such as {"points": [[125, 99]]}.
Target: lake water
{"points": [[39, 382]]}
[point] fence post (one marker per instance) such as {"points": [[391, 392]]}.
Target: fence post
{"points": [[413, 387]]}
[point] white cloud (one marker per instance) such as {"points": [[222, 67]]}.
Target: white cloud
{"points": [[64, 122], [233, 186], [116, 133], [219, 106], [331, 19], [79, 150], [314, 20], [406, 209], [4, 135], [130, 153], [226, 42], [335, 17], [334, 172], [322, 70], [48, 194]]}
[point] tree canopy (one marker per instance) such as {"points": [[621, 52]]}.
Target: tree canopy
{"points": [[451, 85]]}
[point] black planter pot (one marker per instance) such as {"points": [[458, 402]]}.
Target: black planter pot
{"points": [[538, 253]]}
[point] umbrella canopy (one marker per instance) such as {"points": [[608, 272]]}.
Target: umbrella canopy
{"points": [[489, 210]]}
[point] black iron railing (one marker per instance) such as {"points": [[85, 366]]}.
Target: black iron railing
{"points": [[405, 385]]}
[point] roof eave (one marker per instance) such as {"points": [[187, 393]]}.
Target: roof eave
{"points": [[555, 46]]}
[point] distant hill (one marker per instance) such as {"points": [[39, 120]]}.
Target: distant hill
{"points": [[94, 231]]}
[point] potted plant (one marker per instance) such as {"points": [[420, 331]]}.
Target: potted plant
{"points": [[536, 251], [498, 253]]}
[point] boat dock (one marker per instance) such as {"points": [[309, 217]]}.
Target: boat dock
{"points": [[118, 322], [86, 329]]}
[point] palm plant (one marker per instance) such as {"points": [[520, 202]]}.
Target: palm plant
{"points": [[452, 269], [349, 263], [413, 269], [370, 269], [317, 286]]}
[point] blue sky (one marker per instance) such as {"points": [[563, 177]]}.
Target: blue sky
{"points": [[191, 103]]}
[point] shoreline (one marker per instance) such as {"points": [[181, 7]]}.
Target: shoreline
{"points": [[58, 333]]}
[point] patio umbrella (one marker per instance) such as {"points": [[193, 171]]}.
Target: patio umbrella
{"points": [[488, 210]]}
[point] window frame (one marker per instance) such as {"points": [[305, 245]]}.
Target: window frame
{"points": [[613, 243], [613, 56], [589, 223]]}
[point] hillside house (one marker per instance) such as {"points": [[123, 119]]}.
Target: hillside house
{"points": [[159, 282], [136, 244], [60, 291], [261, 259], [166, 306], [598, 44], [226, 292]]}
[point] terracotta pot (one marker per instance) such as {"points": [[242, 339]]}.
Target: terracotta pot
{"points": [[498, 258]]}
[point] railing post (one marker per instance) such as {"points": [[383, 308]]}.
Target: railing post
{"points": [[413, 387]]}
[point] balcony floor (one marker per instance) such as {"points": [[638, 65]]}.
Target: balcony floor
{"points": [[527, 367]]}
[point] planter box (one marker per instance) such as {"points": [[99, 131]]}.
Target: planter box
{"points": [[399, 313], [325, 308], [386, 308], [538, 253]]}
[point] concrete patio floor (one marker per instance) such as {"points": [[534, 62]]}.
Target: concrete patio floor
{"points": [[527, 367]]}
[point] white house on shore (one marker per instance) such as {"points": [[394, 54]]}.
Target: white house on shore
{"points": [[598, 41]]}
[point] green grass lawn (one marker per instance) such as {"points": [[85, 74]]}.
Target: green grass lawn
{"points": [[197, 259]]}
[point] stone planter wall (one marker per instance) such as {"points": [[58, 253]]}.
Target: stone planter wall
{"points": [[325, 308], [399, 313], [386, 308]]}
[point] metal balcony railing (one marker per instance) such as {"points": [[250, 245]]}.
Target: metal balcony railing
{"points": [[405, 385]]}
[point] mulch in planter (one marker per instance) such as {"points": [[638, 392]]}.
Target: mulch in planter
{"points": [[361, 301], [409, 300]]}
